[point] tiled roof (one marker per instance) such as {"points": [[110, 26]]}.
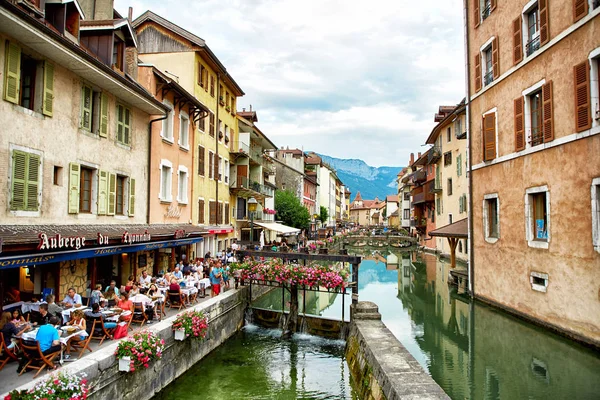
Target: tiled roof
{"points": [[458, 229], [392, 198]]}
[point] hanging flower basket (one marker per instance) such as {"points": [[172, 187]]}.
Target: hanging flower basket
{"points": [[125, 364], [139, 349], [190, 323], [180, 334]]}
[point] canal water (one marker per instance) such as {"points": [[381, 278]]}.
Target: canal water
{"points": [[471, 350], [257, 364]]}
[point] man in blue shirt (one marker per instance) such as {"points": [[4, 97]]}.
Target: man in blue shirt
{"points": [[113, 286], [72, 299], [177, 273], [48, 336]]}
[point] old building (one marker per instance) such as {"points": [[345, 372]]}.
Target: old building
{"points": [[533, 78], [423, 218]]}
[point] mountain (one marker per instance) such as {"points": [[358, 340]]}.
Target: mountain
{"points": [[359, 176]]}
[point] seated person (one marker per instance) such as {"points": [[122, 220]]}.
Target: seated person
{"points": [[48, 336], [174, 286], [73, 299], [95, 313], [113, 286], [126, 305], [130, 282], [177, 273], [145, 279], [78, 321], [146, 302], [44, 316], [134, 290], [53, 308], [17, 317], [10, 330], [110, 295], [96, 294]]}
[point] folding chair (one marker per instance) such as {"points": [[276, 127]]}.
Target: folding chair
{"points": [[175, 299], [95, 328], [35, 358], [6, 354], [139, 314], [80, 344]]}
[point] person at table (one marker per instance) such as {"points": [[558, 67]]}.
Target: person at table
{"points": [[126, 305], [17, 317], [110, 295], [135, 289], [72, 299], [96, 313], [177, 273], [44, 317], [10, 330], [153, 291], [113, 286], [175, 287], [145, 279], [48, 336], [78, 321], [96, 296], [13, 294], [129, 283], [53, 308], [146, 302]]}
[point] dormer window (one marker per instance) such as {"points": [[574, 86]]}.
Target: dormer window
{"points": [[65, 16], [118, 54]]}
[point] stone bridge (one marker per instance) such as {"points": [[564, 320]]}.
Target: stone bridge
{"points": [[380, 241]]}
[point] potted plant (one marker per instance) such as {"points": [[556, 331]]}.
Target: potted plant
{"points": [[221, 100], [138, 350], [228, 108], [190, 323], [57, 386]]}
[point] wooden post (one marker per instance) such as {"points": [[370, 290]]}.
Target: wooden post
{"points": [[453, 242], [355, 284]]}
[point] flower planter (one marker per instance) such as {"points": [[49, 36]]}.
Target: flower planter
{"points": [[323, 251], [180, 334], [125, 364]]}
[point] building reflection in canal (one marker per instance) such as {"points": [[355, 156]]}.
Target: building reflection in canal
{"points": [[472, 351]]}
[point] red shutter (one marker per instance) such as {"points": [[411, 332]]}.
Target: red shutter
{"points": [[583, 118], [493, 4], [476, 14], [544, 34], [216, 167], [489, 137], [477, 72], [519, 124], [495, 58], [517, 41], [548, 121], [212, 211], [580, 9]]}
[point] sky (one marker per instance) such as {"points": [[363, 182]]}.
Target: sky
{"points": [[350, 79]]}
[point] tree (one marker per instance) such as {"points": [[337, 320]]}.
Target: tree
{"points": [[323, 215], [290, 210]]}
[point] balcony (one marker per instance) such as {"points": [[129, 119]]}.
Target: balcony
{"points": [[436, 187], [434, 155], [243, 187], [420, 176], [239, 147], [418, 222], [423, 197], [533, 45]]}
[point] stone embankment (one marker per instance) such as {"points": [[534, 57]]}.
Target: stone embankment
{"points": [[381, 367]]}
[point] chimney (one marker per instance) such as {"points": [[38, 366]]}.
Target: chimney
{"points": [[244, 109], [412, 158], [418, 155], [130, 14], [250, 107]]}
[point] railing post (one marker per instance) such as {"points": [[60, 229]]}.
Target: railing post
{"points": [[355, 286]]}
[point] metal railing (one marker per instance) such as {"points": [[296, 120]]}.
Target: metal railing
{"points": [[239, 147], [536, 136], [532, 46], [486, 10], [435, 153], [488, 78]]}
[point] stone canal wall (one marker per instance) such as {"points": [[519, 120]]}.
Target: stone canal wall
{"points": [[226, 316], [381, 367]]}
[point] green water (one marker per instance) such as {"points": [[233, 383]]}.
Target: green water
{"points": [[471, 350], [257, 364]]}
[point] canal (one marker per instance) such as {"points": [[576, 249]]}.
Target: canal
{"points": [[471, 350]]}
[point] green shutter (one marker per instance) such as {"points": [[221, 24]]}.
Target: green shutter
{"points": [[86, 108], [48, 96], [103, 131], [119, 123], [131, 197], [102, 192], [127, 126], [74, 172], [459, 165], [33, 181], [19, 172], [112, 193], [12, 73]]}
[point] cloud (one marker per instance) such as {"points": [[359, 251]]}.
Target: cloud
{"points": [[348, 79]]}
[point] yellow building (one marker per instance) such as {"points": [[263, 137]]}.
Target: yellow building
{"points": [[186, 57]]}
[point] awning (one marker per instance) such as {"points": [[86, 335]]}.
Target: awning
{"points": [[458, 229], [280, 228]]}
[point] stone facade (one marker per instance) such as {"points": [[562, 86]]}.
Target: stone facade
{"points": [[77, 280]]}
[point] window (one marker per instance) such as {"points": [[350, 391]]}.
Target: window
{"points": [[167, 123], [211, 128], [201, 211], [184, 128], [535, 102], [462, 204], [202, 124], [537, 111], [221, 100], [482, 9], [123, 125], [220, 128], [212, 212], [212, 85], [202, 76], [227, 99], [537, 216], [118, 54], [166, 171], [226, 213], [449, 219], [539, 281], [182, 195], [486, 9], [491, 217], [28, 82], [533, 31], [438, 205], [459, 165], [406, 213], [94, 111], [449, 135], [458, 128], [120, 195], [447, 159], [57, 176], [201, 160], [488, 75], [85, 190], [226, 167], [221, 214], [449, 186], [220, 168], [596, 213], [584, 92], [25, 182]]}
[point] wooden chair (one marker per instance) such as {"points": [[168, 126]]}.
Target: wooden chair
{"points": [[6, 354], [80, 344], [96, 330], [176, 299], [35, 358], [139, 314]]}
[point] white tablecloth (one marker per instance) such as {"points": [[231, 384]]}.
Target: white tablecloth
{"points": [[31, 335], [29, 306], [66, 314], [13, 305]]}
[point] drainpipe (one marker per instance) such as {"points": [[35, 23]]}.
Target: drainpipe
{"points": [[216, 159], [471, 271], [150, 161]]}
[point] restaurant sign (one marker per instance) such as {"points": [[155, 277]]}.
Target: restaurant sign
{"points": [[130, 238], [60, 242]]}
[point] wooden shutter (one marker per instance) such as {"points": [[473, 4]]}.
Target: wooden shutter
{"points": [[120, 118], [19, 184], [544, 34], [227, 213], [12, 73], [200, 67], [519, 104], [583, 118], [33, 178], [102, 192], [200, 211], [210, 165], [127, 126], [212, 210], [216, 168], [548, 120], [103, 126], [201, 160], [86, 108], [131, 197], [48, 95], [580, 9], [476, 13], [489, 137], [220, 217], [493, 5], [112, 193], [495, 58], [74, 173], [517, 41], [477, 72]]}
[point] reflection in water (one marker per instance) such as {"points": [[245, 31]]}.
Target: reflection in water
{"points": [[471, 350]]}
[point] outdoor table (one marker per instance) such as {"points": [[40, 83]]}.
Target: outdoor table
{"points": [[64, 340], [13, 305], [29, 306], [66, 314]]}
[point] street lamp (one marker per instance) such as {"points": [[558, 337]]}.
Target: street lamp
{"points": [[252, 203]]}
